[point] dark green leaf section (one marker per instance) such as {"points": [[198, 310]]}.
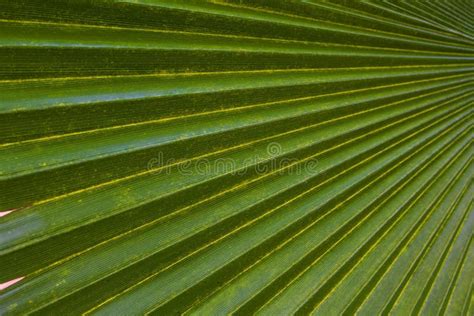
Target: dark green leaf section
{"points": [[236, 157]]}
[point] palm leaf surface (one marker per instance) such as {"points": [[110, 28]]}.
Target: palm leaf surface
{"points": [[348, 126]]}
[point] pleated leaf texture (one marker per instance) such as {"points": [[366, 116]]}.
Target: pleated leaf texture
{"points": [[236, 157]]}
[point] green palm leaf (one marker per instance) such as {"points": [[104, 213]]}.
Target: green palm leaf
{"points": [[236, 157]]}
